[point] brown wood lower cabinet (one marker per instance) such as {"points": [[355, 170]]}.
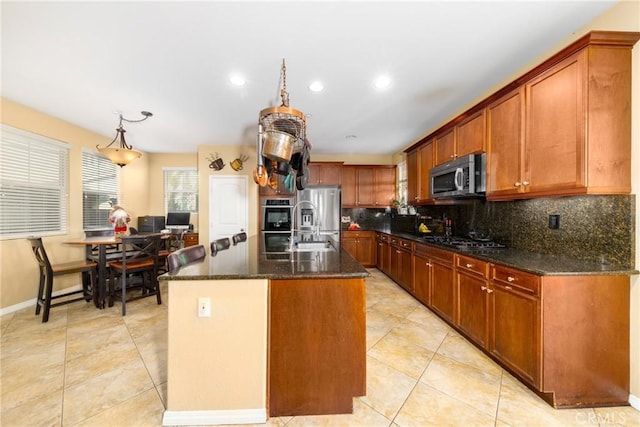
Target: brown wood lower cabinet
{"points": [[361, 245], [433, 280], [317, 345], [442, 284], [383, 253], [401, 251], [515, 296], [565, 336], [472, 308], [190, 239], [422, 275]]}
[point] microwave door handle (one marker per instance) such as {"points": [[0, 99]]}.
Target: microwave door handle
{"points": [[459, 179]]}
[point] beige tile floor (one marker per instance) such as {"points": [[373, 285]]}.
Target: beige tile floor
{"points": [[89, 367]]}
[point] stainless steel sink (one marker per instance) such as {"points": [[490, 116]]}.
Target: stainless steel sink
{"points": [[313, 247]]}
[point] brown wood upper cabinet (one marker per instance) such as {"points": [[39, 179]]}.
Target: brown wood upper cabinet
{"points": [[466, 137], [419, 163], [445, 149], [505, 139], [325, 173], [413, 176], [563, 128], [565, 131], [368, 186]]}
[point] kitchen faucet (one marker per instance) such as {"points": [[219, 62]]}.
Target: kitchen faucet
{"points": [[315, 226]]}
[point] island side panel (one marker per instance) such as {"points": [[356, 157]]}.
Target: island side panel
{"points": [[317, 345], [218, 363]]}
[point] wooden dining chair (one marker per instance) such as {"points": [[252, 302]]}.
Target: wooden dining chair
{"points": [[185, 256], [48, 271], [139, 259], [174, 242]]}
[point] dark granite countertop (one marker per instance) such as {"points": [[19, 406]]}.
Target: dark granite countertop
{"points": [[247, 260], [536, 263]]}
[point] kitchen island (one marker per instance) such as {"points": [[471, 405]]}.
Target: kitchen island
{"points": [[254, 334]]}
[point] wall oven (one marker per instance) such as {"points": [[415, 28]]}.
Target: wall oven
{"points": [[277, 214], [463, 177]]}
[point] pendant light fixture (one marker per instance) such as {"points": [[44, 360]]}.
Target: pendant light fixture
{"points": [[123, 153]]}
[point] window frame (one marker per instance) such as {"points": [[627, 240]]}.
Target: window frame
{"points": [[112, 167], [167, 191], [37, 170]]}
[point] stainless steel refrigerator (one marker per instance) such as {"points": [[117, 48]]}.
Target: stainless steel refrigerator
{"points": [[318, 211]]}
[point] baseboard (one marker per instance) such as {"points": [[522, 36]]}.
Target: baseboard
{"points": [[32, 302], [634, 401], [192, 418]]}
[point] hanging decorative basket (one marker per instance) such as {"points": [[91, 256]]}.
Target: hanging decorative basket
{"points": [[283, 128]]}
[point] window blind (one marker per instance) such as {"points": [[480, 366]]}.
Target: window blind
{"points": [[99, 189], [33, 184], [181, 189]]}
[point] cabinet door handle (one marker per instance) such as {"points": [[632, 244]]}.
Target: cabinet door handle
{"points": [[525, 182], [468, 265], [489, 291], [397, 251], [511, 279], [517, 184], [428, 264], [484, 288]]}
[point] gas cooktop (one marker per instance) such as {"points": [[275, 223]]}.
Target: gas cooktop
{"points": [[464, 242]]}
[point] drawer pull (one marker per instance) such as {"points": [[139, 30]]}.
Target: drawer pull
{"points": [[508, 287], [511, 279], [468, 265]]}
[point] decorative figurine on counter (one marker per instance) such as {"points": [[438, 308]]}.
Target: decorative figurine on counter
{"points": [[119, 218]]}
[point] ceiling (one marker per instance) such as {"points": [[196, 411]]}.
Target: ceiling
{"points": [[83, 61]]}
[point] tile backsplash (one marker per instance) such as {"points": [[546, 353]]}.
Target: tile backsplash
{"points": [[591, 228]]}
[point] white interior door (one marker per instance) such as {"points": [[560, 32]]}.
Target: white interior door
{"points": [[228, 206]]}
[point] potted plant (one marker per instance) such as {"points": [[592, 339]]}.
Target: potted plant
{"points": [[400, 206]]}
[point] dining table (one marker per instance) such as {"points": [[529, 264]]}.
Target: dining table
{"points": [[104, 244]]}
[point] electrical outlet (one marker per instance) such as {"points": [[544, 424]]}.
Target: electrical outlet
{"points": [[554, 222], [204, 307]]}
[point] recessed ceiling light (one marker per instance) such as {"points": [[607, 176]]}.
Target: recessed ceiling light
{"points": [[351, 137], [316, 87], [237, 80], [382, 82]]}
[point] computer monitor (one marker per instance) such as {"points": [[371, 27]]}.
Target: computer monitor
{"points": [[178, 220]]}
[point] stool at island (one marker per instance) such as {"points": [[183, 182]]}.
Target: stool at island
{"points": [[185, 256]]}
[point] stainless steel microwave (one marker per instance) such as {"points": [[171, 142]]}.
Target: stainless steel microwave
{"points": [[463, 177]]}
